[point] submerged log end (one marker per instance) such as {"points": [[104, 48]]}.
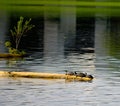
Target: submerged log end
{"points": [[9, 55]]}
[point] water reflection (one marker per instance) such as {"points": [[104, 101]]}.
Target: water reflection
{"points": [[53, 42], [3, 28]]}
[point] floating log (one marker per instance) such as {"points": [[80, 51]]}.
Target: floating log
{"points": [[42, 75], [9, 55]]}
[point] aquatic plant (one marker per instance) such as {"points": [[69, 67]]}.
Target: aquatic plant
{"points": [[8, 44], [20, 30], [13, 50], [17, 33]]}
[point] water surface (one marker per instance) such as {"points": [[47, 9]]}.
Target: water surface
{"points": [[103, 90]]}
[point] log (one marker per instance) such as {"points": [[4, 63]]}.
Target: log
{"points": [[42, 75], [8, 55]]}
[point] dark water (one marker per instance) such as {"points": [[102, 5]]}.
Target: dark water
{"points": [[84, 44]]}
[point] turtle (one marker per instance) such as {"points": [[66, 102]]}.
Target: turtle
{"points": [[70, 73], [90, 76], [82, 74]]}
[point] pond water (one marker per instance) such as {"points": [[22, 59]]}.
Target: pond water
{"points": [[103, 90], [94, 49]]}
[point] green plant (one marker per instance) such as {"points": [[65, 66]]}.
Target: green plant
{"points": [[13, 50], [19, 30], [8, 44], [17, 33]]}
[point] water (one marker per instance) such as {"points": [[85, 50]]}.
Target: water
{"points": [[70, 34], [104, 90]]}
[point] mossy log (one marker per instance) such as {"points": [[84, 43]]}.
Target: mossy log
{"points": [[42, 75], [9, 55]]}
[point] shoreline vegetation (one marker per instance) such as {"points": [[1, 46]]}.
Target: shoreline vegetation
{"points": [[86, 8]]}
